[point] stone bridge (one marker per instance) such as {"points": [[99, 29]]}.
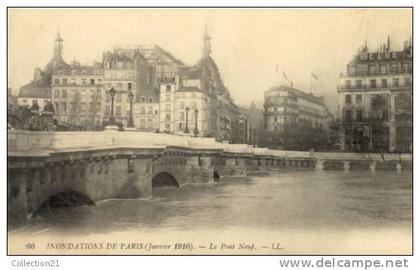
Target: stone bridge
{"points": [[64, 169]]}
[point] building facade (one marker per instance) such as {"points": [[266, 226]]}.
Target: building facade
{"points": [[295, 120], [375, 100], [201, 85], [78, 95], [256, 125], [191, 105], [167, 106], [127, 71]]}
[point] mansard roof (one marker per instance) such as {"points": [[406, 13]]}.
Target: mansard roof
{"points": [[299, 93]]}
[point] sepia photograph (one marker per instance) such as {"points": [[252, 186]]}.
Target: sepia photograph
{"points": [[209, 131]]}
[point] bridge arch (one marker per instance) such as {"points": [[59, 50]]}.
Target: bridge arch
{"points": [[64, 199], [164, 179]]}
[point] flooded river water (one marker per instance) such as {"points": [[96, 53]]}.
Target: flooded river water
{"points": [[305, 201]]}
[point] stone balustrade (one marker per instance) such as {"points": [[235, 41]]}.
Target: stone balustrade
{"points": [[20, 141]]}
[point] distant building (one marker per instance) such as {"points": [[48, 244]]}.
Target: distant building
{"points": [[243, 126], [375, 100], [167, 106], [188, 98], [295, 120], [165, 64], [37, 91], [256, 125], [167, 95], [201, 85], [127, 71], [78, 95]]}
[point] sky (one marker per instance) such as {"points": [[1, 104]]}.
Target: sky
{"points": [[247, 44]]}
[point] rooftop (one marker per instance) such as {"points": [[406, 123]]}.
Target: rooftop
{"points": [[297, 93], [34, 90]]}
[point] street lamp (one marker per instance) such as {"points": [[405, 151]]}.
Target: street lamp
{"points": [[186, 120], [130, 123], [112, 93], [196, 123]]}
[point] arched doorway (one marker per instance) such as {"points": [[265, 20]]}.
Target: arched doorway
{"points": [[164, 179]]}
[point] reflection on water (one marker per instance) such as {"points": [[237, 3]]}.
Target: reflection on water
{"points": [[289, 200]]}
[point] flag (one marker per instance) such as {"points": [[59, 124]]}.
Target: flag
{"points": [[284, 75], [314, 76]]}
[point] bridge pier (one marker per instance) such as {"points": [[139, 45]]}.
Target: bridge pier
{"points": [[17, 199]]}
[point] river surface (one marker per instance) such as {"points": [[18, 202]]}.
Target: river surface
{"points": [[308, 201]]}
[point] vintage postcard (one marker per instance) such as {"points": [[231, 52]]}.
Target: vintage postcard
{"points": [[212, 131]]}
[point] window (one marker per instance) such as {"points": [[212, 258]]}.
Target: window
{"points": [[168, 88], [383, 69], [129, 86], [143, 99], [83, 82], [359, 115], [56, 107], [275, 119], [150, 100], [64, 93], [56, 93], [394, 68], [348, 99], [167, 127], [359, 99], [149, 110], [64, 81], [352, 70], [395, 82], [168, 107], [372, 83], [142, 110], [167, 117], [347, 115], [181, 116], [118, 97], [372, 70], [181, 126], [56, 81], [92, 81], [118, 111], [384, 83], [359, 83], [407, 81]]}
